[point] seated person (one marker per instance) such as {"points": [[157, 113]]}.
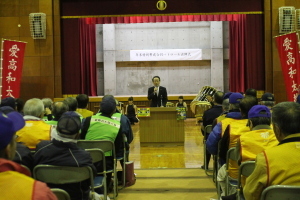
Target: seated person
{"points": [[83, 100], [268, 100], [181, 103], [48, 109], [131, 111], [278, 165], [102, 127], [35, 129], [63, 151], [58, 108], [15, 180], [23, 156]]}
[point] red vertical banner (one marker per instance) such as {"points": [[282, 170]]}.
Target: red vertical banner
{"points": [[12, 64], [288, 50]]}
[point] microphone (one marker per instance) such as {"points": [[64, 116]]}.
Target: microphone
{"points": [[161, 104]]}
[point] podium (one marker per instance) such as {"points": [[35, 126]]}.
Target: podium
{"points": [[162, 127]]}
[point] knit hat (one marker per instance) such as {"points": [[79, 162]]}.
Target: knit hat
{"points": [[259, 111], [8, 101], [235, 97], [9, 124], [267, 97], [69, 123]]}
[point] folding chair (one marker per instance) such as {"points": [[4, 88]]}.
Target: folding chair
{"points": [[61, 194], [108, 148], [281, 192], [99, 181], [245, 170], [124, 159], [207, 130], [229, 180], [63, 175]]}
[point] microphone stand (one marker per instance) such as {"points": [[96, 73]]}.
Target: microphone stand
{"points": [[161, 104]]}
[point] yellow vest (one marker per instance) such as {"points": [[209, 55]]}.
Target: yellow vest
{"points": [[84, 112], [14, 185], [33, 132], [220, 118], [255, 142], [282, 163], [225, 122], [237, 128]]}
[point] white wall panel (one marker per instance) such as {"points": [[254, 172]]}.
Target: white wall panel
{"points": [[119, 76]]}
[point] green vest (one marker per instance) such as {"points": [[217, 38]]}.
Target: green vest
{"points": [[116, 116], [51, 122], [103, 128]]}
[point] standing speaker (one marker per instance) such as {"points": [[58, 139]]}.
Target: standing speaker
{"points": [[287, 19], [37, 22]]}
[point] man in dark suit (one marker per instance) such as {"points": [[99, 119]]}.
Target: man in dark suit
{"points": [[157, 94]]}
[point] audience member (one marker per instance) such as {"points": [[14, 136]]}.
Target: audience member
{"points": [[63, 151], [229, 140], [20, 105], [9, 101], [125, 129], [131, 111], [102, 127], [83, 100], [58, 108], [48, 109], [268, 100], [35, 129], [181, 103], [23, 156], [15, 180], [278, 165], [251, 92], [218, 131], [210, 115], [72, 104]]}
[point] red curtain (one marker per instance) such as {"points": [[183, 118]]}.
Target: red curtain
{"points": [[88, 74], [246, 60]]}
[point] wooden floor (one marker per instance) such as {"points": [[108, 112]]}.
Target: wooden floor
{"points": [[188, 156], [170, 172]]}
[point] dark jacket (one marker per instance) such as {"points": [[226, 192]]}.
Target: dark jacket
{"points": [[157, 100], [65, 154], [23, 156]]}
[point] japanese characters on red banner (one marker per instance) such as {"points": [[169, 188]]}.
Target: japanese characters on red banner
{"points": [[12, 63], [289, 57]]}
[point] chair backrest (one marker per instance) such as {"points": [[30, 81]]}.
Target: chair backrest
{"points": [[61, 194], [104, 145], [230, 155], [245, 170], [97, 156], [63, 174], [281, 192]]}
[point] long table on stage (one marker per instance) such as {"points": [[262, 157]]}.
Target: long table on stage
{"points": [[162, 127]]}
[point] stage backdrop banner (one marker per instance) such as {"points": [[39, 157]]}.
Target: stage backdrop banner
{"points": [[288, 50], [165, 54], [11, 65]]}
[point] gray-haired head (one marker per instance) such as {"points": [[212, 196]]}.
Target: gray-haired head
{"points": [[34, 107], [72, 103]]}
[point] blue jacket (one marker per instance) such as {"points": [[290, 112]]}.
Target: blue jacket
{"points": [[215, 135]]}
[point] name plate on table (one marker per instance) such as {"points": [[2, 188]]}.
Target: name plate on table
{"points": [[143, 112]]}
